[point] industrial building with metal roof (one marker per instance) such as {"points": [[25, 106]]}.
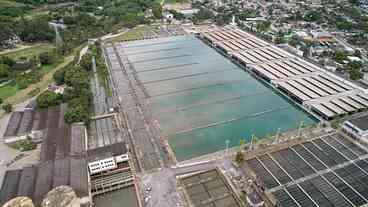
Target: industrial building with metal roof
{"points": [[320, 91], [62, 157]]}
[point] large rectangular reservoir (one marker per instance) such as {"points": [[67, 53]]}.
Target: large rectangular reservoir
{"points": [[201, 99]]}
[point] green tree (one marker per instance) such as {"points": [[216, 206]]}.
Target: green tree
{"points": [[294, 40], [203, 14], [312, 16], [157, 10], [7, 60], [77, 77], [4, 71], [47, 58], [48, 98], [58, 77], [356, 74], [344, 25], [35, 29], [7, 31], [77, 111], [239, 157], [177, 15], [242, 142], [86, 62], [340, 56], [263, 26], [280, 38], [7, 107]]}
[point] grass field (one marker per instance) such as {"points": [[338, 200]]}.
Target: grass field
{"points": [[8, 90], [17, 96], [176, 1], [10, 3], [28, 51], [22, 95], [133, 34], [11, 89]]}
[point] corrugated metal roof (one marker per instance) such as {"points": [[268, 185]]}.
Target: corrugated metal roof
{"points": [[325, 111], [329, 84], [303, 89], [343, 105], [312, 87], [294, 91], [333, 107], [351, 102], [359, 100], [321, 86]]}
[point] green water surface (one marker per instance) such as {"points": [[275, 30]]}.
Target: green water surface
{"points": [[201, 99]]}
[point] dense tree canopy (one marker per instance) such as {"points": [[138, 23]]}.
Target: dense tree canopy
{"points": [[78, 110], [203, 14], [4, 71], [84, 19], [58, 77], [7, 107], [76, 77], [35, 29], [86, 62], [48, 98], [47, 58]]}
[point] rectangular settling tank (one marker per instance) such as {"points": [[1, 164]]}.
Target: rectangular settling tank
{"points": [[201, 99]]}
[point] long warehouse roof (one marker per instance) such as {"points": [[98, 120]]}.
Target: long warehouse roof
{"points": [[300, 78]]}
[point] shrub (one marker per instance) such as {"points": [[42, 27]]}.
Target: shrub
{"points": [[77, 77], [25, 145], [86, 62], [7, 107], [47, 58], [48, 98], [239, 157], [4, 71], [59, 77], [77, 113]]}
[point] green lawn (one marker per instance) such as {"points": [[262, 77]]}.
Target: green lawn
{"points": [[133, 34], [30, 51], [47, 68], [9, 3], [8, 90], [176, 1], [12, 88]]}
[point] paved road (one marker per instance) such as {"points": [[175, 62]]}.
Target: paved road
{"points": [[163, 184]]}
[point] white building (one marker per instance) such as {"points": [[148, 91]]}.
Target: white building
{"points": [[168, 15], [354, 59], [101, 165], [188, 12], [106, 158], [357, 127]]}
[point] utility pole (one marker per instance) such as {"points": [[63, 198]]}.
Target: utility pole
{"points": [[300, 129], [227, 147], [251, 142], [277, 135]]}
